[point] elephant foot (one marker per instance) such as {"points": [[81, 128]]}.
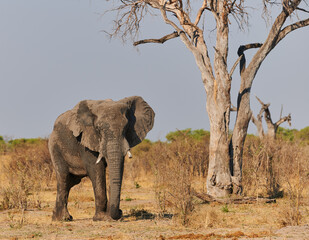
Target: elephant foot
{"points": [[116, 214], [101, 216], [66, 217], [107, 216]]}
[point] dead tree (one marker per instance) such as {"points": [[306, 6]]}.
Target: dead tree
{"points": [[271, 126], [225, 153]]}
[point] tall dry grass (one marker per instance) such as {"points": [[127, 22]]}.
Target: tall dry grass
{"points": [[174, 168], [273, 169], [27, 171]]}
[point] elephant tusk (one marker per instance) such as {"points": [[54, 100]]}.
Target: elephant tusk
{"points": [[129, 154], [99, 158]]}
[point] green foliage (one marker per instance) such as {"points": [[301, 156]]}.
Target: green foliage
{"points": [[225, 209], [128, 199], [24, 141], [293, 134], [144, 146], [286, 134], [197, 134], [303, 134], [12, 145], [137, 185]]}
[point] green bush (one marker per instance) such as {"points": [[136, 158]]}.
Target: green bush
{"points": [[303, 135], [286, 134], [197, 134], [11, 145]]}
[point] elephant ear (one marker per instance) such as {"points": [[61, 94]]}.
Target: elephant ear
{"points": [[81, 123], [141, 119]]}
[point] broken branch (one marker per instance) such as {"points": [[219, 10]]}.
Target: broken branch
{"points": [[244, 200], [160, 40], [241, 54], [235, 65]]}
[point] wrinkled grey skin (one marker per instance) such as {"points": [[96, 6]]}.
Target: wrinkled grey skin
{"points": [[90, 137]]}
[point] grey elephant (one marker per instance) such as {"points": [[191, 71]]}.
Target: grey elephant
{"points": [[90, 137]]}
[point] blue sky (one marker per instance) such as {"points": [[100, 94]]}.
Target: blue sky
{"points": [[54, 54]]}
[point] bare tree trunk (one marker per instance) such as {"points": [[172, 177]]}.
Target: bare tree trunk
{"points": [[219, 182], [239, 136]]}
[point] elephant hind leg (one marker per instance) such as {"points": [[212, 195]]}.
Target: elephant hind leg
{"points": [[64, 185]]}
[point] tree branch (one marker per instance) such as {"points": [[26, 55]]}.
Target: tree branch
{"points": [[288, 7], [180, 32], [285, 31], [241, 54], [284, 119], [301, 9], [160, 40], [200, 12], [235, 65]]}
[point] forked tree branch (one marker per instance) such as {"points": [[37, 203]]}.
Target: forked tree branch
{"points": [[285, 31], [180, 32], [287, 118], [160, 40]]}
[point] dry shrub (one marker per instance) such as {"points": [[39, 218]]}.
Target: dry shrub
{"points": [[29, 171], [278, 169], [295, 183], [290, 215], [270, 165], [174, 166]]}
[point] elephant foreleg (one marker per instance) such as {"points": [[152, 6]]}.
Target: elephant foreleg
{"points": [[98, 178]]}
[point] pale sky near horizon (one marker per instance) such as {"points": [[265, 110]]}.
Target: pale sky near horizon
{"points": [[54, 54]]}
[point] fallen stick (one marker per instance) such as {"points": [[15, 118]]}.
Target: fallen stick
{"points": [[243, 200]]}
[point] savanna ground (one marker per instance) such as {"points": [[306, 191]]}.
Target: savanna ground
{"points": [[157, 194]]}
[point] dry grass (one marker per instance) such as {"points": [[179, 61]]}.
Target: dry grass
{"points": [[174, 168], [156, 193], [27, 170]]}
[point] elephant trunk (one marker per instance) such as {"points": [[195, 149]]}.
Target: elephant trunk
{"points": [[115, 161]]}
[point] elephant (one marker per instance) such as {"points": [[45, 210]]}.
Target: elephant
{"points": [[96, 134]]}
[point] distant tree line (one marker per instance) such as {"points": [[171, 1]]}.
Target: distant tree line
{"points": [[198, 134], [282, 133], [9, 145]]}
